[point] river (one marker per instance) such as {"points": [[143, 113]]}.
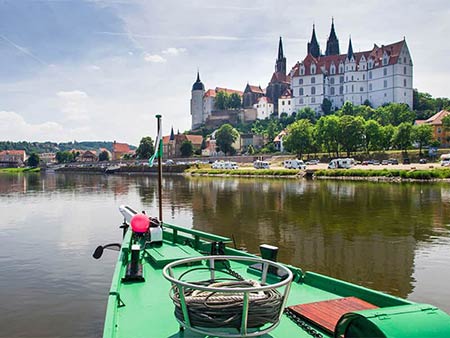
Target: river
{"points": [[387, 236]]}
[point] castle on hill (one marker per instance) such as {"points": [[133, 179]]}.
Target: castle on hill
{"points": [[383, 74]]}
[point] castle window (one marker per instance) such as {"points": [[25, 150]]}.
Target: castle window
{"points": [[282, 103], [341, 68], [404, 82], [341, 79], [300, 91], [332, 90], [353, 88], [385, 84], [341, 90], [332, 69], [313, 100], [301, 100], [346, 78], [404, 70], [370, 75], [313, 80], [300, 81], [289, 102], [332, 80], [404, 60], [364, 77], [313, 90], [385, 71], [352, 77], [370, 86], [302, 70], [313, 69]]}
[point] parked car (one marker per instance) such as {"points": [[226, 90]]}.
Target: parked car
{"points": [[375, 162], [312, 162], [423, 161], [406, 161], [393, 161], [385, 162]]}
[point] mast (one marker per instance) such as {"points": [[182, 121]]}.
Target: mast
{"points": [[158, 117]]}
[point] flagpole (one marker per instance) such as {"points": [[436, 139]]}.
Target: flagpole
{"points": [[158, 117]]}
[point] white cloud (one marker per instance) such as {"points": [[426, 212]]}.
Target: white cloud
{"points": [[14, 127], [155, 58], [174, 51], [74, 105]]}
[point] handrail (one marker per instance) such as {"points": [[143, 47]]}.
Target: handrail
{"points": [[196, 233]]}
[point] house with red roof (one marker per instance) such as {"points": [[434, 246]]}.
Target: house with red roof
{"points": [[439, 133], [377, 76], [119, 150], [172, 143], [12, 158]]}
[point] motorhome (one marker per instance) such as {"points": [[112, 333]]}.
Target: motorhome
{"points": [[294, 164], [341, 163], [445, 160], [261, 164]]}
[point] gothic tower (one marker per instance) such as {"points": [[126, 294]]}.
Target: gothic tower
{"points": [[350, 49], [280, 64], [332, 42], [313, 46], [197, 93]]}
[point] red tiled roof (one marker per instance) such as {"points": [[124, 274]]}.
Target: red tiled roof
{"points": [[166, 139], [13, 152], [280, 77], [280, 136], [210, 93], [436, 119], [121, 147], [195, 139], [229, 91], [255, 89], [323, 63]]}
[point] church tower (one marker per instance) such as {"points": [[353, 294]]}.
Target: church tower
{"points": [[197, 93], [280, 64], [313, 46], [332, 42]]}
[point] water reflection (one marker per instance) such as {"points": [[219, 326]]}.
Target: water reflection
{"points": [[391, 237]]}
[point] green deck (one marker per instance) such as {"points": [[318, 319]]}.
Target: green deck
{"points": [[144, 309]]}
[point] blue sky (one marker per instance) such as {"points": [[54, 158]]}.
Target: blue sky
{"points": [[100, 70]]}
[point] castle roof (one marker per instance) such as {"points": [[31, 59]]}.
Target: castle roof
{"points": [[254, 89], [280, 77], [198, 85], [376, 54]]}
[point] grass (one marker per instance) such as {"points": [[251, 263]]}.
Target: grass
{"points": [[408, 174], [20, 170], [244, 172]]}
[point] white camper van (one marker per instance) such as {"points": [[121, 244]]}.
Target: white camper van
{"points": [[341, 163], [294, 164], [261, 164]]}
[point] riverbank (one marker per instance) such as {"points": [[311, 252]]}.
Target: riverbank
{"points": [[247, 172], [19, 170]]}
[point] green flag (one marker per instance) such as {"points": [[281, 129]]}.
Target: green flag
{"points": [[158, 149]]}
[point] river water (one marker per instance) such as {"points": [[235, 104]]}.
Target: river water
{"points": [[387, 236]]}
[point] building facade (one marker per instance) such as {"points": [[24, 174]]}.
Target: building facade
{"points": [[440, 134], [381, 75]]}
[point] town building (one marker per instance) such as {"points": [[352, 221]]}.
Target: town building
{"points": [[383, 74], [264, 108], [12, 158], [285, 103], [119, 150], [440, 134], [172, 143], [251, 95], [88, 156]]}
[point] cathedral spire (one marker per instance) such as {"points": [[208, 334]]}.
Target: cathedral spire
{"points": [[350, 48], [198, 85], [172, 136], [313, 46], [280, 64], [332, 42]]}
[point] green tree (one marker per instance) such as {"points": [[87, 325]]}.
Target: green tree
{"points": [[326, 106], [327, 131], [351, 132], [394, 113], [222, 100], [367, 103], [422, 134], [186, 148], [347, 109], [387, 133], [372, 135], [145, 149], [251, 150], [225, 137], [33, 160], [446, 122], [64, 157], [103, 156], [299, 137], [306, 113], [402, 138], [235, 101]]}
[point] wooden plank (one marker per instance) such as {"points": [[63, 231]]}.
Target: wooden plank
{"points": [[326, 314]]}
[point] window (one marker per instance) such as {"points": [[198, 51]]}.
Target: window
{"points": [[313, 80], [289, 102], [341, 90], [404, 82], [364, 77], [353, 88], [332, 69], [332, 80], [302, 70], [439, 130], [370, 75], [313, 69], [370, 86], [361, 89], [332, 90], [404, 70], [300, 91], [313, 90], [385, 84], [282, 103], [352, 77], [313, 100], [404, 60], [385, 71], [346, 78], [346, 88], [341, 79], [300, 81], [301, 100]]}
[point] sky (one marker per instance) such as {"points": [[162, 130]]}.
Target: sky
{"points": [[102, 69]]}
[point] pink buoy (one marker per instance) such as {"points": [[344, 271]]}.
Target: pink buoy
{"points": [[140, 223]]}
